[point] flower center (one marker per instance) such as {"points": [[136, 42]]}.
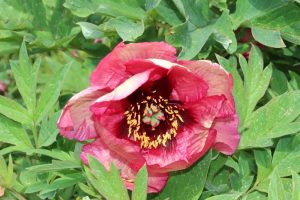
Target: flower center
{"points": [[153, 121]]}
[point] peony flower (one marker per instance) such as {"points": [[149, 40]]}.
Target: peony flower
{"points": [[144, 106]]}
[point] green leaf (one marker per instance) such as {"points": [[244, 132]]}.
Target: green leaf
{"points": [[13, 133], [59, 183], [224, 33], [187, 184], [108, 184], [26, 77], [48, 131], [14, 111], [287, 156], [7, 176], [127, 29], [190, 38], [84, 8], [54, 166], [273, 120], [276, 190], [90, 31], [167, 11], [256, 82], [267, 37], [296, 186], [284, 19], [256, 196], [151, 4], [195, 11], [263, 159], [247, 10], [279, 82], [233, 196], [140, 185], [51, 93]]}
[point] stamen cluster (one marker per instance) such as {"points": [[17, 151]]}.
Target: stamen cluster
{"points": [[153, 121]]}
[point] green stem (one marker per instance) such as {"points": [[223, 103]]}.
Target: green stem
{"points": [[35, 136], [16, 194]]}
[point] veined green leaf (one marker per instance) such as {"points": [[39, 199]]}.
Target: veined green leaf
{"points": [[287, 156], [296, 186], [256, 82], [140, 185], [233, 196], [276, 190], [223, 33], [127, 29], [90, 31], [50, 93], [190, 38], [48, 131], [105, 7], [273, 120], [187, 184], [26, 77], [54, 166], [108, 184], [13, 133], [14, 111], [268, 37]]}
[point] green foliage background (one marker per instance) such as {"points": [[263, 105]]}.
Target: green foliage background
{"points": [[48, 48]]}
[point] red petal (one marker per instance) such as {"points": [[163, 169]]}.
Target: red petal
{"points": [[101, 152], [190, 145], [75, 121], [218, 80], [111, 71], [228, 137], [186, 86]]}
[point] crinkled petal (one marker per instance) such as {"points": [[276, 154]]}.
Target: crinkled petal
{"points": [[111, 71], [228, 138], [186, 86], [218, 80], [188, 146], [203, 112], [102, 152], [75, 121]]}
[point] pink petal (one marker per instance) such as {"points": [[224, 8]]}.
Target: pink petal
{"points": [[75, 121], [111, 71], [204, 111], [218, 80], [102, 152], [186, 86], [228, 137], [189, 146]]}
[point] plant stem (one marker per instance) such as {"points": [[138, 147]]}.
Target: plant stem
{"points": [[35, 136]]}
